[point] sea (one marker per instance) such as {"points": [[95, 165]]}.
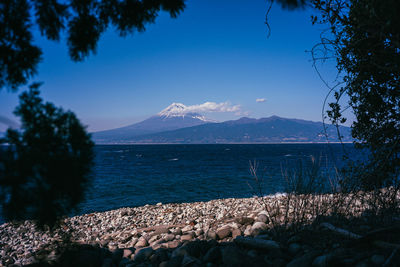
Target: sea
{"points": [[136, 175]]}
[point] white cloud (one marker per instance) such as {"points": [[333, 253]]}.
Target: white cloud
{"points": [[242, 113], [213, 107], [179, 109], [260, 100]]}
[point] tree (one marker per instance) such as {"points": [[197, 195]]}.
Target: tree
{"points": [[45, 167], [83, 21], [364, 38]]}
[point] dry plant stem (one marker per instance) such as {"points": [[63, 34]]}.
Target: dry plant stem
{"points": [[389, 260], [341, 231]]}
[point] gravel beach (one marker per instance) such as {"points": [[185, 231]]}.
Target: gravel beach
{"points": [[226, 232]]}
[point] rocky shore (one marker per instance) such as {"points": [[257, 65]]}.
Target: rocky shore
{"points": [[224, 232]]}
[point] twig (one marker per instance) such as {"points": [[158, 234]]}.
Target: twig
{"points": [[341, 231], [387, 262]]}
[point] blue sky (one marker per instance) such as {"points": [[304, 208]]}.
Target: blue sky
{"points": [[215, 51]]}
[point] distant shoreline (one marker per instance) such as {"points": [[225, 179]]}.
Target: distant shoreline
{"points": [[254, 143]]}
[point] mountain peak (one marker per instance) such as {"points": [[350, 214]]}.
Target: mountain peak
{"points": [[174, 110], [180, 110]]}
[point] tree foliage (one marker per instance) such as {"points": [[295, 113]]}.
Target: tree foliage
{"points": [[83, 21], [45, 167], [364, 37]]}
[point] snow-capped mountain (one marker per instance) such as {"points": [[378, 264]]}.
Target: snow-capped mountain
{"points": [[273, 129], [180, 110], [175, 116]]}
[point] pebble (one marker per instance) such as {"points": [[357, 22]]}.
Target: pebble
{"points": [[294, 248], [257, 228], [187, 237], [377, 259], [256, 243], [223, 232], [142, 242], [163, 225]]}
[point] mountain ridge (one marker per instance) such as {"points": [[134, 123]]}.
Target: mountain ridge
{"points": [[171, 118], [272, 129]]}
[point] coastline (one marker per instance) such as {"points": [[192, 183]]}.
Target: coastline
{"points": [[178, 231], [238, 143], [129, 227]]}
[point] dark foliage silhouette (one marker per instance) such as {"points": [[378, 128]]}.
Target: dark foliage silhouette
{"points": [[45, 167], [291, 4], [364, 38], [83, 21]]}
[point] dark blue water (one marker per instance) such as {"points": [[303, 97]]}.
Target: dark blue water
{"points": [[135, 175]]}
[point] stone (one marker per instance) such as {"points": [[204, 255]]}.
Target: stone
{"points": [[7, 260], [265, 236], [252, 253], [304, 260], [219, 216], [278, 262], [152, 239], [117, 255], [173, 244], [362, 264], [199, 232], [107, 262], [211, 235], [157, 242], [233, 256], [127, 253], [294, 248], [104, 243], [188, 260], [169, 237], [180, 251], [321, 261], [133, 242], [255, 243], [294, 239], [223, 232], [377, 259], [156, 246], [143, 254], [177, 231], [161, 230], [257, 228], [161, 255], [142, 242], [197, 248], [187, 237], [212, 255], [175, 261], [112, 247], [154, 259], [262, 218], [124, 262], [247, 231], [187, 228], [244, 220], [236, 233]]}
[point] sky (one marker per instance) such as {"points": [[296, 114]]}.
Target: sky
{"points": [[215, 52]]}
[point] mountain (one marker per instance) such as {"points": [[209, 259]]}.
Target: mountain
{"points": [[246, 130], [175, 116]]}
